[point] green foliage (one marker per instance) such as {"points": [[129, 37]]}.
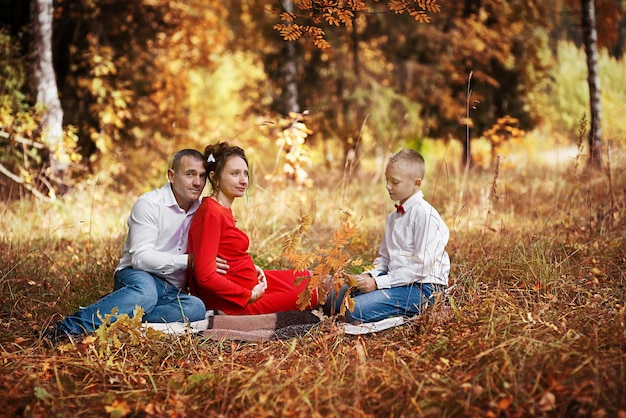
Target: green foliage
{"points": [[13, 72], [569, 93], [110, 100], [392, 118], [25, 157]]}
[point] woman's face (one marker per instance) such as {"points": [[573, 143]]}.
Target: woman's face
{"points": [[233, 181]]}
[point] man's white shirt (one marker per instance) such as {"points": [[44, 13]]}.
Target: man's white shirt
{"points": [[157, 236]]}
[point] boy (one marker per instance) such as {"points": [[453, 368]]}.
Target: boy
{"points": [[412, 263]]}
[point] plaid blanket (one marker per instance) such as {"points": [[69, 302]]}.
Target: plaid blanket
{"points": [[244, 327], [260, 327], [284, 325]]}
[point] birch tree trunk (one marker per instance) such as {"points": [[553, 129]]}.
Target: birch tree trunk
{"points": [[44, 85], [289, 72], [591, 47]]}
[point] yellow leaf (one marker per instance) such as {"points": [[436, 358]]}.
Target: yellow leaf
{"points": [[596, 271], [90, 339], [118, 409], [352, 280]]}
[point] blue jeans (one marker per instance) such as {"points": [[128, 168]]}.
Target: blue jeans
{"points": [[160, 301], [385, 303]]}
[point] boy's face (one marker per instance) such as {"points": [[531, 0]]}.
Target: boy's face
{"points": [[402, 182]]}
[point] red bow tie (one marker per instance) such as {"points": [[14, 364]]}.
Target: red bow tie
{"points": [[400, 209]]}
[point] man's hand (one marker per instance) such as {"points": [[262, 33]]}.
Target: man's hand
{"points": [[222, 265], [366, 283]]}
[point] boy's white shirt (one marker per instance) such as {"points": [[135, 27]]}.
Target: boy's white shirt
{"points": [[413, 247]]}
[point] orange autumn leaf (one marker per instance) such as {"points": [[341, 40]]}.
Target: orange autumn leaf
{"points": [[118, 409], [504, 403]]}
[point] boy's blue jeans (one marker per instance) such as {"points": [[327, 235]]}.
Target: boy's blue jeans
{"points": [[385, 303], [160, 301]]}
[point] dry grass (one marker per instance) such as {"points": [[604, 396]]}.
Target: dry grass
{"points": [[535, 325]]}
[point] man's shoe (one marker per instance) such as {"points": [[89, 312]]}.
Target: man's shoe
{"points": [[57, 334]]}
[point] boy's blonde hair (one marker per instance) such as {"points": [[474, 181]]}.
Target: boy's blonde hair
{"points": [[409, 157]]}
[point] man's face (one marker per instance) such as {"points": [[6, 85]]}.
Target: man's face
{"points": [[402, 183], [188, 180]]}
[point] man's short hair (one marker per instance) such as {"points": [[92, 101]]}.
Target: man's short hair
{"points": [[183, 152]]}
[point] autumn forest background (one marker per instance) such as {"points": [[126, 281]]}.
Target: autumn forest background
{"points": [[516, 106]]}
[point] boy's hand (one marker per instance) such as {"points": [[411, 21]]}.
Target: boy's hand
{"points": [[366, 283]]}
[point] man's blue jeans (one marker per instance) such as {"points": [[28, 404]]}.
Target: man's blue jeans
{"points": [[160, 301], [385, 303]]}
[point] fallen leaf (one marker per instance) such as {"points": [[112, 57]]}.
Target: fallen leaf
{"points": [[118, 409], [504, 403], [600, 413], [42, 393], [90, 339], [547, 402], [152, 409], [596, 271], [477, 390]]}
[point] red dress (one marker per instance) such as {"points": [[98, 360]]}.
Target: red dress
{"points": [[213, 233]]}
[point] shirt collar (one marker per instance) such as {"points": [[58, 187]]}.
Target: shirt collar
{"points": [[413, 200], [170, 200]]}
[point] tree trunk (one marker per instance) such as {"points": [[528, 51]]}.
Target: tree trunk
{"points": [[44, 85], [289, 72], [593, 78], [466, 158]]}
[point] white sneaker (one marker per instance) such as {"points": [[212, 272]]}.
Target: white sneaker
{"points": [[370, 327], [180, 328]]}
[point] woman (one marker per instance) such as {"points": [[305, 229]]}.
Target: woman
{"points": [[244, 289]]}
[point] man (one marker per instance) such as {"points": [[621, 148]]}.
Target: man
{"points": [[152, 272]]}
